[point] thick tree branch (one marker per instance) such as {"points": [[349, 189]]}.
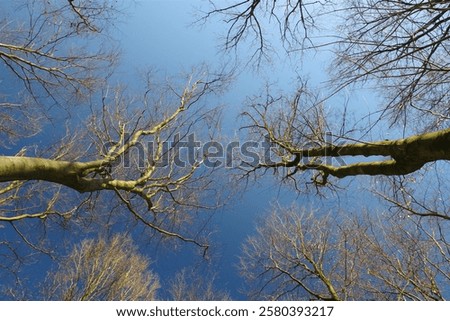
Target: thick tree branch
{"points": [[407, 156]]}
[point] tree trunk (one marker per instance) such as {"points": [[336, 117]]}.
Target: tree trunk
{"points": [[70, 174], [406, 156]]}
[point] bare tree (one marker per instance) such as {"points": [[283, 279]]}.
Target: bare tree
{"points": [[299, 255], [290, 258], [403, 48], [102, 269], [409, 259], [117, 159], [303, 139], [190, 286], [57, 52], [400, 50], [131, 152], [252, 19]]}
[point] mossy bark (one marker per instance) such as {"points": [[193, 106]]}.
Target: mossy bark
{"points": [[70, 174], [406, 155]]}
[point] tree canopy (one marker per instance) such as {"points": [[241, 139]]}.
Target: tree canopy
{"points": [[399, 51], [80, 150], [84, 156], [102, 269]]}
